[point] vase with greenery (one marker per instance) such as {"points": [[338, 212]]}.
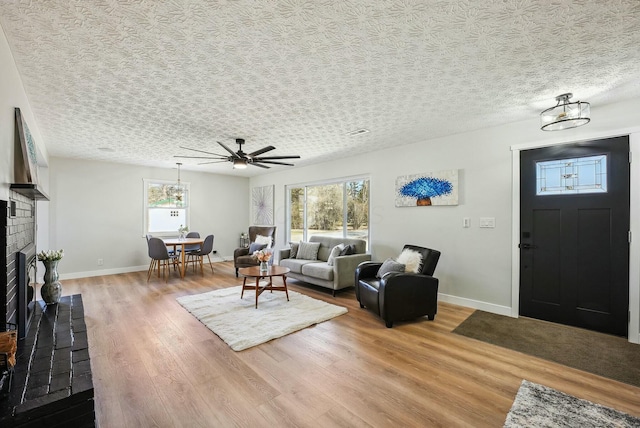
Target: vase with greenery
{"points": [[182, 231], [51, 290]]}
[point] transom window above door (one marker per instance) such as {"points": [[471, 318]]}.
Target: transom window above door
{"points": [[572, 176]]}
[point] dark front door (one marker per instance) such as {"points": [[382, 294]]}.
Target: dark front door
{"points": [[574, 234]]}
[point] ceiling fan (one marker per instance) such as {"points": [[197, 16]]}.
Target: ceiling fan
{"points": [[241, 159]]}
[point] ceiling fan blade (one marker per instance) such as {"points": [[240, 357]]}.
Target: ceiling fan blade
{"points": [[276, 157], [257, 164], [217, 161], [234, 154], [201, 151], [274, 163], [261, 151], [201, 157]]}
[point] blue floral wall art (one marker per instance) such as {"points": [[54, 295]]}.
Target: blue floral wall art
{"points": [[432, 188]]}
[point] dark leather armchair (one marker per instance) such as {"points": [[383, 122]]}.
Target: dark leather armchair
{"points": [[242, 257], [400, 296]]}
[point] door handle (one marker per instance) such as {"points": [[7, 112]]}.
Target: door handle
{"points": [[527, 246]]}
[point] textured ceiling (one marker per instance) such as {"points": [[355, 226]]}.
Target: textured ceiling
{"points": [[143, 77]]}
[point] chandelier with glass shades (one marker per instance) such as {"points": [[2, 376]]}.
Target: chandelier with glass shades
{"points": [[565, 114]]}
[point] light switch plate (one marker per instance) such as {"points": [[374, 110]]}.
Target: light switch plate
{"points": [[488, 222]]}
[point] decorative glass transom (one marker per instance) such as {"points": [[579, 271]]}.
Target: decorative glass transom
{"points": [[572, 176]]}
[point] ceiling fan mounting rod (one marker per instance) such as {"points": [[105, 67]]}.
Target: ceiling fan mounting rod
{"points": [[240, 142]]}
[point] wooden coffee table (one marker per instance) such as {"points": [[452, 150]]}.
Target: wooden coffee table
{"points": [[254, 272]]}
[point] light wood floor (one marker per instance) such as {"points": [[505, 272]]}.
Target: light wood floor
{"points": [[155, 365]]}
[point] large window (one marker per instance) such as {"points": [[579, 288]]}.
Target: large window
{"points": [[337, 209], [166, 207]]}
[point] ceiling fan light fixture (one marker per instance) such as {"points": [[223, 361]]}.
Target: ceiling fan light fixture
{"points": [[565, 114], [239, 163]]}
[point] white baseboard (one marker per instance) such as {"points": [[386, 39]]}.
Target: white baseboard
{"points": [[475, 304], [75, 275]]}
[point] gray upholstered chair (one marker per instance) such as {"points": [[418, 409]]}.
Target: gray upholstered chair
{"points": [[242, 257], [197, 256], [159, 257]]}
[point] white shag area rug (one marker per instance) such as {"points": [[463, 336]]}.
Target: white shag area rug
{"points": [[241, 325], [540, 406]]}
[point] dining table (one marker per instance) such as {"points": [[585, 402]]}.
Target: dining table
{"points": [[182, 243]]}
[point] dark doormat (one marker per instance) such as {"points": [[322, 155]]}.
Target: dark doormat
{"points": [[609, 356]]}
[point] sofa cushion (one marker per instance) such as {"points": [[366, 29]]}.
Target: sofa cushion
{"points": [[335, 252], [295, 265], [320, 270], [308, 251], [294, 249], [328, 242], [348, 250], [390, 265], [256, 247], [411, 259], [264, 240]]}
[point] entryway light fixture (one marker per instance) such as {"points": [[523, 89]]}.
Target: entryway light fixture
{"points": [[565, 115], [180, 191]]}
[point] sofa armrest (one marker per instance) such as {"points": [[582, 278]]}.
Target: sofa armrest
{"points": [[284, 253], [367, 270], [344, 268], [407, 295], [240, 252]]}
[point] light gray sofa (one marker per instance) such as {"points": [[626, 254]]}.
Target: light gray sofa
{"points": [[318, 272]]}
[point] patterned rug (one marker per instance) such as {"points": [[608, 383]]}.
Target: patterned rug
{"points": [[540, 406], [241, 325]]}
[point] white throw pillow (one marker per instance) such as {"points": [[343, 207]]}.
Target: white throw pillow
{"points": [[263, 240], [411, 259], [335, 252]]}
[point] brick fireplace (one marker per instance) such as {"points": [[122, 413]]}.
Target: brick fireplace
{"points": [[51, 383], [18, 266]]}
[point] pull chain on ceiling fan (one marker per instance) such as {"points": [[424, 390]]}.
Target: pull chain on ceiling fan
{"points": [[241, 159]]}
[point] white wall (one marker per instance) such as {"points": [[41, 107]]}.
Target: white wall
{"points": [[96, 212], [476, 264], [12, 95]]}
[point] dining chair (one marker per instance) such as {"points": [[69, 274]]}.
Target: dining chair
{"points": [[159, 257], [194, 247], [170, 251], [198, 255]]}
